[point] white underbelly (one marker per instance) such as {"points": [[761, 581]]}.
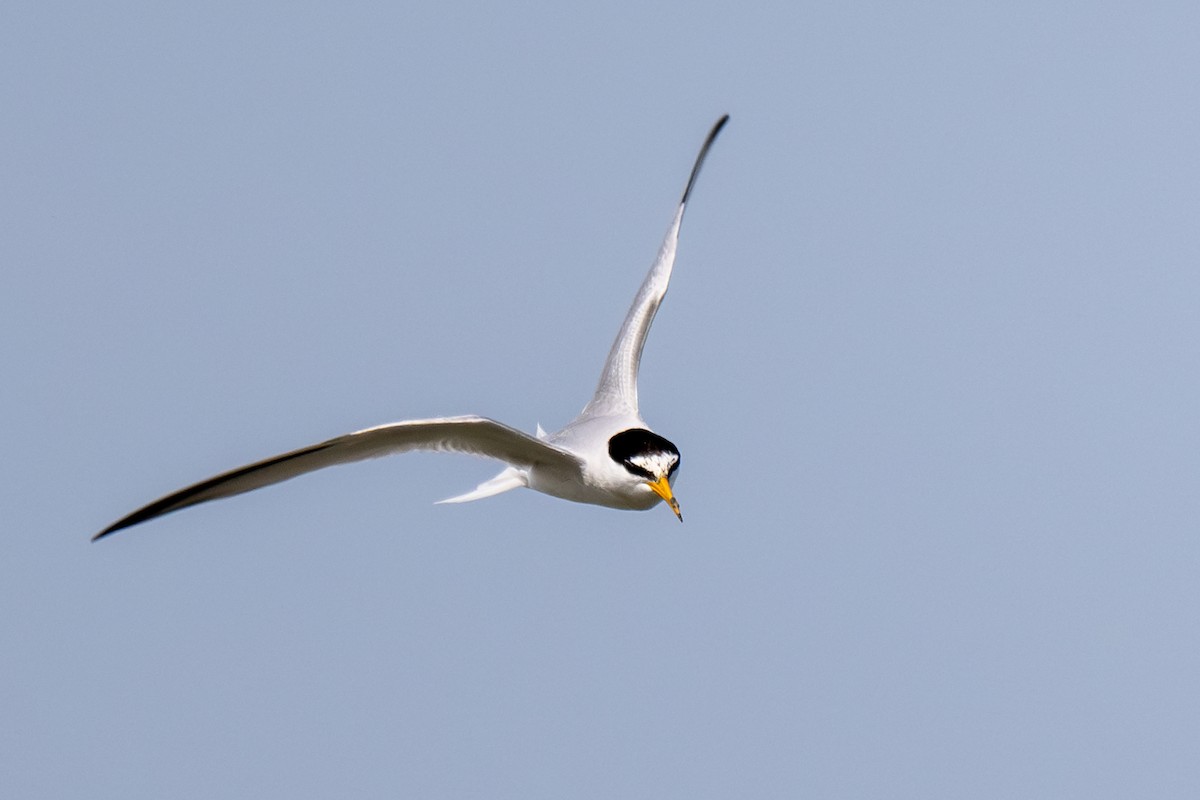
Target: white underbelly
{"points": [[635, 498]]}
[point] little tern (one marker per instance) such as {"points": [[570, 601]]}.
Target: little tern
{"points": [[606, 456]]}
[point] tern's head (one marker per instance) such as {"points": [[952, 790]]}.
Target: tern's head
{"points": [[650, 458]]}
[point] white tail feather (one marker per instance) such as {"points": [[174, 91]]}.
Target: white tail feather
{"points": [[510, 478]]}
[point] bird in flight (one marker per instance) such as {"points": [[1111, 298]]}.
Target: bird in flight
{"points": [[606, 456]]}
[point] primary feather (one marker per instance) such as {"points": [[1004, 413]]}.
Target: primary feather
{"points": [[475, 435], [617, 389]]}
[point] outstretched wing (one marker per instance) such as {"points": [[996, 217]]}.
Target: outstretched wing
{"points": [[475, 435], [617, 391]]}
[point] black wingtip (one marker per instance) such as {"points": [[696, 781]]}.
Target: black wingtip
{"points": [[195, 494], [155, 509], [712, 137], [119, 525]]}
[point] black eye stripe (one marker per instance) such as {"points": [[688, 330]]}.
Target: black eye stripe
{"points": [[636, 470]]}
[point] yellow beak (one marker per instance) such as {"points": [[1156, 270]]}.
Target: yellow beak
{"points": [[663, 490]]}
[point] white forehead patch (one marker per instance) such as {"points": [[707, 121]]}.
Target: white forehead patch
{"points": [[655, 463]]}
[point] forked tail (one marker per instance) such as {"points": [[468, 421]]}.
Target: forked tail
{"points": [[510, 478]]}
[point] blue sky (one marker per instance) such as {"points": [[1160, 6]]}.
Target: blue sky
{"points": [[930, 354]]}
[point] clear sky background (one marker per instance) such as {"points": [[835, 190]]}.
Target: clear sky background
{"points": [[930, 354]]}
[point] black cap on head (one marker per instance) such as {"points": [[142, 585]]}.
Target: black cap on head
{"points": [[632, 448]]}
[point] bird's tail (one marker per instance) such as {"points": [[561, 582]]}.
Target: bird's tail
{"points": [[510, 478]]}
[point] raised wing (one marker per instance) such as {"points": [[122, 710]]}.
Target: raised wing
{"points": [[475, 435], [617, 390]]}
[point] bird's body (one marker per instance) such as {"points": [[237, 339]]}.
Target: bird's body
{"points": [[606, 456], [603, 481]]}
